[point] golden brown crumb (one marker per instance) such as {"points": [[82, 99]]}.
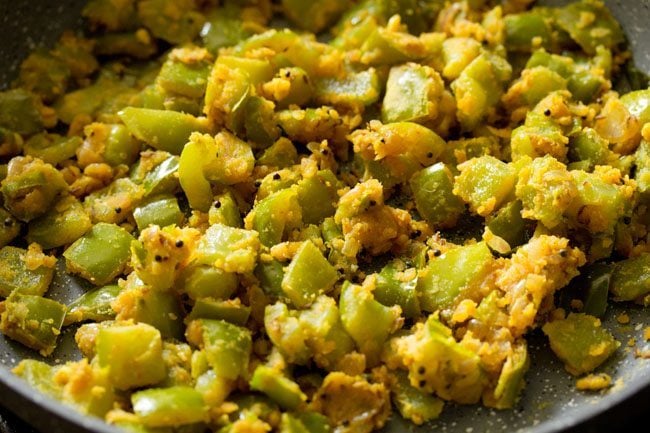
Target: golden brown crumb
{"points": [[594, 382], [623, 319]]}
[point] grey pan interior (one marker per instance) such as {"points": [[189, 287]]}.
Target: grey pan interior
{"points": [[550, 402]]}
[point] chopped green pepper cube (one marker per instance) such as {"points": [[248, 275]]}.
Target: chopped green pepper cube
{"points": [[206, 281], [224, 28], [355, 90], [511, 379], [447, 276], [395, 287], [546, 189], [413, 403], [485, 183], [509, 225], [279, 388], [259, 122], [162, 210], [52, 148], [32, 320], [66, 222], [638, 104], [187, 78], [225, 210], [412, 94], [133, 355], [538, 137], [161, 129], [232, 311], [162, 179], [270, 276], [157, 308], [587, 145], [21, 112], [174, 406], [276, 215], [368, 322], [227, 346], [94, 305], [20, 273], [433, 194], [101, 254], [308, 275], [580, 342], [174, 21], [522, 29], [31, 187], [39, 375], [601, 29], [313, 16], [229, 248], [631, 278]]}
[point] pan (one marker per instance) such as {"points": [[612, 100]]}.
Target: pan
{"points": [[550, 402]]}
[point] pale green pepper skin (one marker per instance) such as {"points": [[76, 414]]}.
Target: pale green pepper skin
{"points": [[52, 148], [227, 346], [439, 287], [160, 210], [231, 311], [308, 275], [206, 281], [412, 403], [20, 112], [279, 388], [147, 125], [229, 249], [631, 278], [22, 312], [94, 305], [16, 276], [132, 354], [66, 222], [172, 406], [432, 190], [101, 254], [572, 338], [395, 287], [367, 321], [276, 215], [31, 187]]}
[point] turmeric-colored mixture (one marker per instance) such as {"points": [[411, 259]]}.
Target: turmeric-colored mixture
{"points": [[307, 228]]}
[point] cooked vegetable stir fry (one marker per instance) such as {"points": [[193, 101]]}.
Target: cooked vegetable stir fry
{"points": [[283, 231]]}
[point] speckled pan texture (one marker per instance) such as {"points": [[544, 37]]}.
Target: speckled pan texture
{"points": [[550, 402]]}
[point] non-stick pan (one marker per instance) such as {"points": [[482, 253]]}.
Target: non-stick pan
{"points": [[550, 402]]}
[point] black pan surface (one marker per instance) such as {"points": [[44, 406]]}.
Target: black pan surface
{"points": [[550, 402]]}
